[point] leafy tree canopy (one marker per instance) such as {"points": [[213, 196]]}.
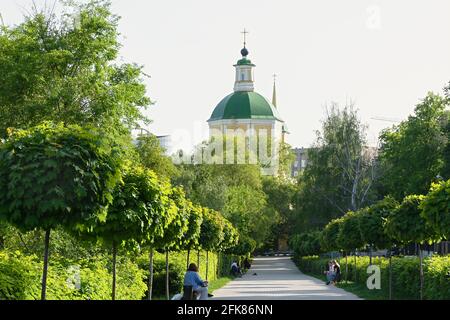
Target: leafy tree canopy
{"points": [[411, 154], [405, 224], [435, 208], [63, 69], [53, 175]]}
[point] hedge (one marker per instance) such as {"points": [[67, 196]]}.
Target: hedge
{"points": [[405, 274], [20, 278]]}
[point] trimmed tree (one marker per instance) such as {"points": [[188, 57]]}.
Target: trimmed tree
{"points": [[191, 236], [131, 218], [211, 234], [372, 224], [436, 209], [329, 235], [349, 236], [172, 238], [52, 175]]}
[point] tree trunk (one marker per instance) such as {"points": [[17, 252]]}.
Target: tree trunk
{"points": [[346, 268], [421, 272], [45, 268], [198, 258], [207, 265], [114, 253], [390, 275], [187, 258], [167, 275], [355, 268], [370, 255], [150, 278]]}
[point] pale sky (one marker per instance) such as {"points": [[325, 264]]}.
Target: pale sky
{"points": [[385, 55]]}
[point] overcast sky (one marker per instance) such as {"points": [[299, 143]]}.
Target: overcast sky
{"points": [[385, 55]]}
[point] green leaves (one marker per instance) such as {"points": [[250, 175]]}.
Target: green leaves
{"points": [[64, 69], [54, 175], [436, 208], [406, 224], [411, 154]]}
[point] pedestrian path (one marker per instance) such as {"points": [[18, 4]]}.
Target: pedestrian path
{"points": [[278, 278]]}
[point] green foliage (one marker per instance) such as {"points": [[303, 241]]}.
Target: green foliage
{"points": [[173, 234], [405, 224], [245, 209], [244, 247], [230, 236], [211, 234], [306, 244], [339, 174], [405, 275], [57, 175], [64, 70], [152, 156], [137, 213], [330, 235], [349, 236], [411, 154], [192, 235], [436, 209], [372, 223], [82, 280]]}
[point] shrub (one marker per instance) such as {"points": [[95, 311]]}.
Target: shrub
{"points": [[20, 278]]}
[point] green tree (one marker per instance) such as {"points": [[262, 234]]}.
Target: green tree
{"points": [[330, 235], [64, 69], [172, 238], [152, 156], [191, 237], [280, 199], [340, 172], [131, 218], [211, 233], [372, 223], [435, 208], [411, 153], [53, 176], [406, 225], [349, 236]]}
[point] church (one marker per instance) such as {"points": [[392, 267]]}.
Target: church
{"points": [[247, 122]]}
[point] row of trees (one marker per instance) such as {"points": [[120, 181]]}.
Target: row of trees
{"points": [[80, 179], [345, 174], [385, 224]]}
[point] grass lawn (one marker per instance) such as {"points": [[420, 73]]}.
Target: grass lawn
{"points": [[219, 283]]}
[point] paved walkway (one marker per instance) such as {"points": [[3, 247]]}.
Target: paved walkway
{"points": [[279, 279]]}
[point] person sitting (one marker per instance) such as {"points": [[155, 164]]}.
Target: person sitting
{"points": [[235, 270], [337, 272], [330, 273], [192, 278]]}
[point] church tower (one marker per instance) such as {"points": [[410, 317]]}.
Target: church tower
{"points": [[247, 112]]}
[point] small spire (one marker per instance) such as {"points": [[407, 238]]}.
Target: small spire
{"points": [[274, 93], [244, 51], [245, 36]]}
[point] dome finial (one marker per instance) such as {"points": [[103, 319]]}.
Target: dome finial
{"points": [[244, 50]]}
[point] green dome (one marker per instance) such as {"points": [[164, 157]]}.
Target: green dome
{"points": [[245, 105]]}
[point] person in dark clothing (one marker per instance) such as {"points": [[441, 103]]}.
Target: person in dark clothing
{"points": [[247, 264], [337, 272]]}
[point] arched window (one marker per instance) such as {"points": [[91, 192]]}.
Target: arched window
{"points": [[242, 76]]}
